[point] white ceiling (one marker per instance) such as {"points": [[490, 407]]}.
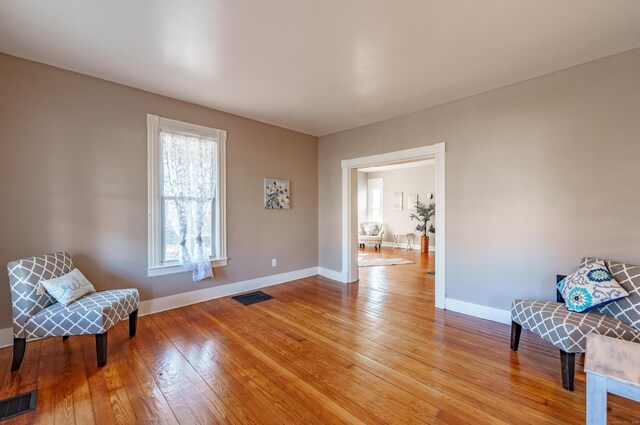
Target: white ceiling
{"points": [[317, 66]]}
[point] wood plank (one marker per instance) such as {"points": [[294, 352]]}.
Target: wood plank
{"points": [[83, 408], [448, 373], [320, 352], [194, 356], [174, 371], [100, 402], [46, 383], [264, 381], [347, 383], [122, 409], [150, 349], [63, 397], [147, 401]]}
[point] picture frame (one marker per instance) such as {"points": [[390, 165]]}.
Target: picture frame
{"points": [[413, 201], [397, 201], [277, 195]]}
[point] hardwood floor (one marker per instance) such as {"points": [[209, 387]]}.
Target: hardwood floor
{"points": [[321, 352]]}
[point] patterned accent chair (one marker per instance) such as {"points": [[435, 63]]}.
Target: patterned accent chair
{"points": [[370, 232], [39, 315], [568, 330]]}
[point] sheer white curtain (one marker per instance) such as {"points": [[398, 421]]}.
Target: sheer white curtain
{"points": [[189, 181]]}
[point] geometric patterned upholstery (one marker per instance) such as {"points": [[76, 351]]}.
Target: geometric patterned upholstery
{"points": [[628, 276], [92, 314], [24, 276], [40, 315], [566, 329]]}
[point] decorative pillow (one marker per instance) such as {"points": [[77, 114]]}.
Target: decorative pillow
{"points": [[590, 287], [69, 287], [371, 229]]}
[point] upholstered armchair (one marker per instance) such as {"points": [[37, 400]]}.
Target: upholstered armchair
{"points": [[568, 330], [37, 315], [370, 232]]}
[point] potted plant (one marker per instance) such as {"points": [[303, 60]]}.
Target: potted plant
{"points": [[423, 215]]}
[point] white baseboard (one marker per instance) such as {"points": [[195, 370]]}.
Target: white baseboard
{"points": [[186, 298], [332, 274], [6, 337], [157, 305], [432, 248], [477, 310]]}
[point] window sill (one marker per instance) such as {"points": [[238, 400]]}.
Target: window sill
{"points": [[177, 268]]}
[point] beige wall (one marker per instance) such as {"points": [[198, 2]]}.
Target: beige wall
{"points": [[538, 174], [73, 176], [420, 180]]}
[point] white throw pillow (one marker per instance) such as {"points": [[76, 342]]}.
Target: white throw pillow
{"points": [[371, 229], [69, 287]]}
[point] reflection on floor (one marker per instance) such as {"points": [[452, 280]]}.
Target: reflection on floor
{"points": [[320, 352]]}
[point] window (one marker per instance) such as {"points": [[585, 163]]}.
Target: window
{"points": [[375, 199], [186, 166]]}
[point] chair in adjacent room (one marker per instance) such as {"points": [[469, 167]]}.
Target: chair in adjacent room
{"points": [[370, 233]]}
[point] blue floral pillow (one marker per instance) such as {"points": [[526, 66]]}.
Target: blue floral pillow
{"points": [[590, 287]]}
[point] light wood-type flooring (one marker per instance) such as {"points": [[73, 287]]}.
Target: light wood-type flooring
{"points": [[321, 352]]}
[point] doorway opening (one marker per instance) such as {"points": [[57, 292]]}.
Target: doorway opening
{"points": [[353, 212]]}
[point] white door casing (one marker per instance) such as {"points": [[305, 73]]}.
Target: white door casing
{"points": [[350, 218]]}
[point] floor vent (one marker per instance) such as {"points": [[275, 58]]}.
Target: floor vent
{"points": [[17, 405], [252, 297]]}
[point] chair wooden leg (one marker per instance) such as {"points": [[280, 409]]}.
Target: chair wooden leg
{"points": [[516, 329], [133, 323], [101, 349], [568, 361], [66, 337], [19, 347]]}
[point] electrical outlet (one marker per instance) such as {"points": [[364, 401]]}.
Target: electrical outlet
{"points": [[274, 262]]}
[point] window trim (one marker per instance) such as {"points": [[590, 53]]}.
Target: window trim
{"points": [[155, 124]]}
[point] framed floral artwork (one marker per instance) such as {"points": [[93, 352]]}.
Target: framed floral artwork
{"points": [[276, 194]]}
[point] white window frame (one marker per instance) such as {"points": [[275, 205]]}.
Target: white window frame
{"points": [[155, 124]]}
